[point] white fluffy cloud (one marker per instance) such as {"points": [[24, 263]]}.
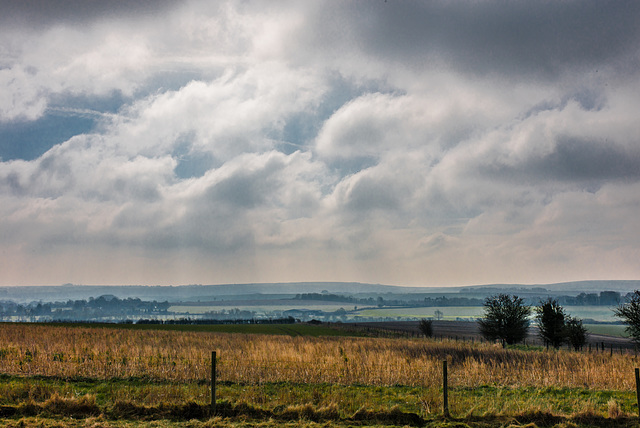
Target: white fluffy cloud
{"points": [[406, 143]]}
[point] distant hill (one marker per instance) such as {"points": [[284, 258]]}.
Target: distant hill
{"points": [[184, 292], [192, 293], [568, 288]]}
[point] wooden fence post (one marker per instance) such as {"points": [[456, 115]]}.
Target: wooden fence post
{"points": [[638, 389], [445, 390], [213, 382]]}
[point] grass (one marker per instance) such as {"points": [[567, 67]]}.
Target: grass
{"points": [[449, 312], [184, 356], [271, 329], [608, 329], [598, 313], [143, 401], [123, 373]]}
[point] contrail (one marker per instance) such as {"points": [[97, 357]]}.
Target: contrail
{"points": [[80, 112]]}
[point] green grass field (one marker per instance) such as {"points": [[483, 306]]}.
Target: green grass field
{"points": [[449, 312], [607, 329], [597, 313], [45, 402]]}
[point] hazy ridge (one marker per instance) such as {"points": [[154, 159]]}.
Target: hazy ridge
{"points": [[211, 292]]}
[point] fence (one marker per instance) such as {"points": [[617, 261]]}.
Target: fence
{"points": [[445, 386]]}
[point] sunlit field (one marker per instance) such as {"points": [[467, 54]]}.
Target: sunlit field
{"points": [[275, 373], [184, 356]]}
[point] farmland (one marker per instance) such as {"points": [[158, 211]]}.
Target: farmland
{"points": [[597, 313], [135, 374]]}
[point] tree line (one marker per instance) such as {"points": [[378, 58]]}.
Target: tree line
{"points": [[603, 298], [507, 318], [101, 307], [381, 301]]}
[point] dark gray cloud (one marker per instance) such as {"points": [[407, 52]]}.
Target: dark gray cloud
{"points": [[541, 39], [370, 194], [38, 13], [577, 160], [242, 191]]}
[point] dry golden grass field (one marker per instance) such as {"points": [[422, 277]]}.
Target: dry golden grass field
{"points": [[339, 376]]}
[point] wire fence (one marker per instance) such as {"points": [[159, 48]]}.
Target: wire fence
{"points": [[278, 367]]}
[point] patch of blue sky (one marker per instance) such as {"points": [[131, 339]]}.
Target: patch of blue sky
{"points": [[65, 117], [191, 164], [30, 140], [301, 129]]}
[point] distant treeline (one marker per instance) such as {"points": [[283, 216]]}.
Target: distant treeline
{"points": [[190, 321], [381, 301], [102, 307], [604, 298]]}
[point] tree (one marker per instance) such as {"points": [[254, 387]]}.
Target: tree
{"points": [[438, 314], [609, 298], [506, 318], [576, 334], [426, 327], [551, 327], [630, 314]]}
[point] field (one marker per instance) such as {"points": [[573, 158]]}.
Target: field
{"points": [[270, 329], [597, 313], [610, 335], [449, 312], [130, 376], [261, 306], [607, 329]]}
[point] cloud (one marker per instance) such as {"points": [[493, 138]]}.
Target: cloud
{"points": [[96, 49], [51, 12], [370, 125], [566, 144], [533, 40], [398, 142]]}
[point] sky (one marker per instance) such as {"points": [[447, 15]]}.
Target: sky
{"points": [[420, 143]]}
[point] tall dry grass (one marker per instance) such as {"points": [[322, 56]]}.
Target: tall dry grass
{"points": [[185, 357]]}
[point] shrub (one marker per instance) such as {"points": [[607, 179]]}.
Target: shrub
{"points": [[426, 327]]}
